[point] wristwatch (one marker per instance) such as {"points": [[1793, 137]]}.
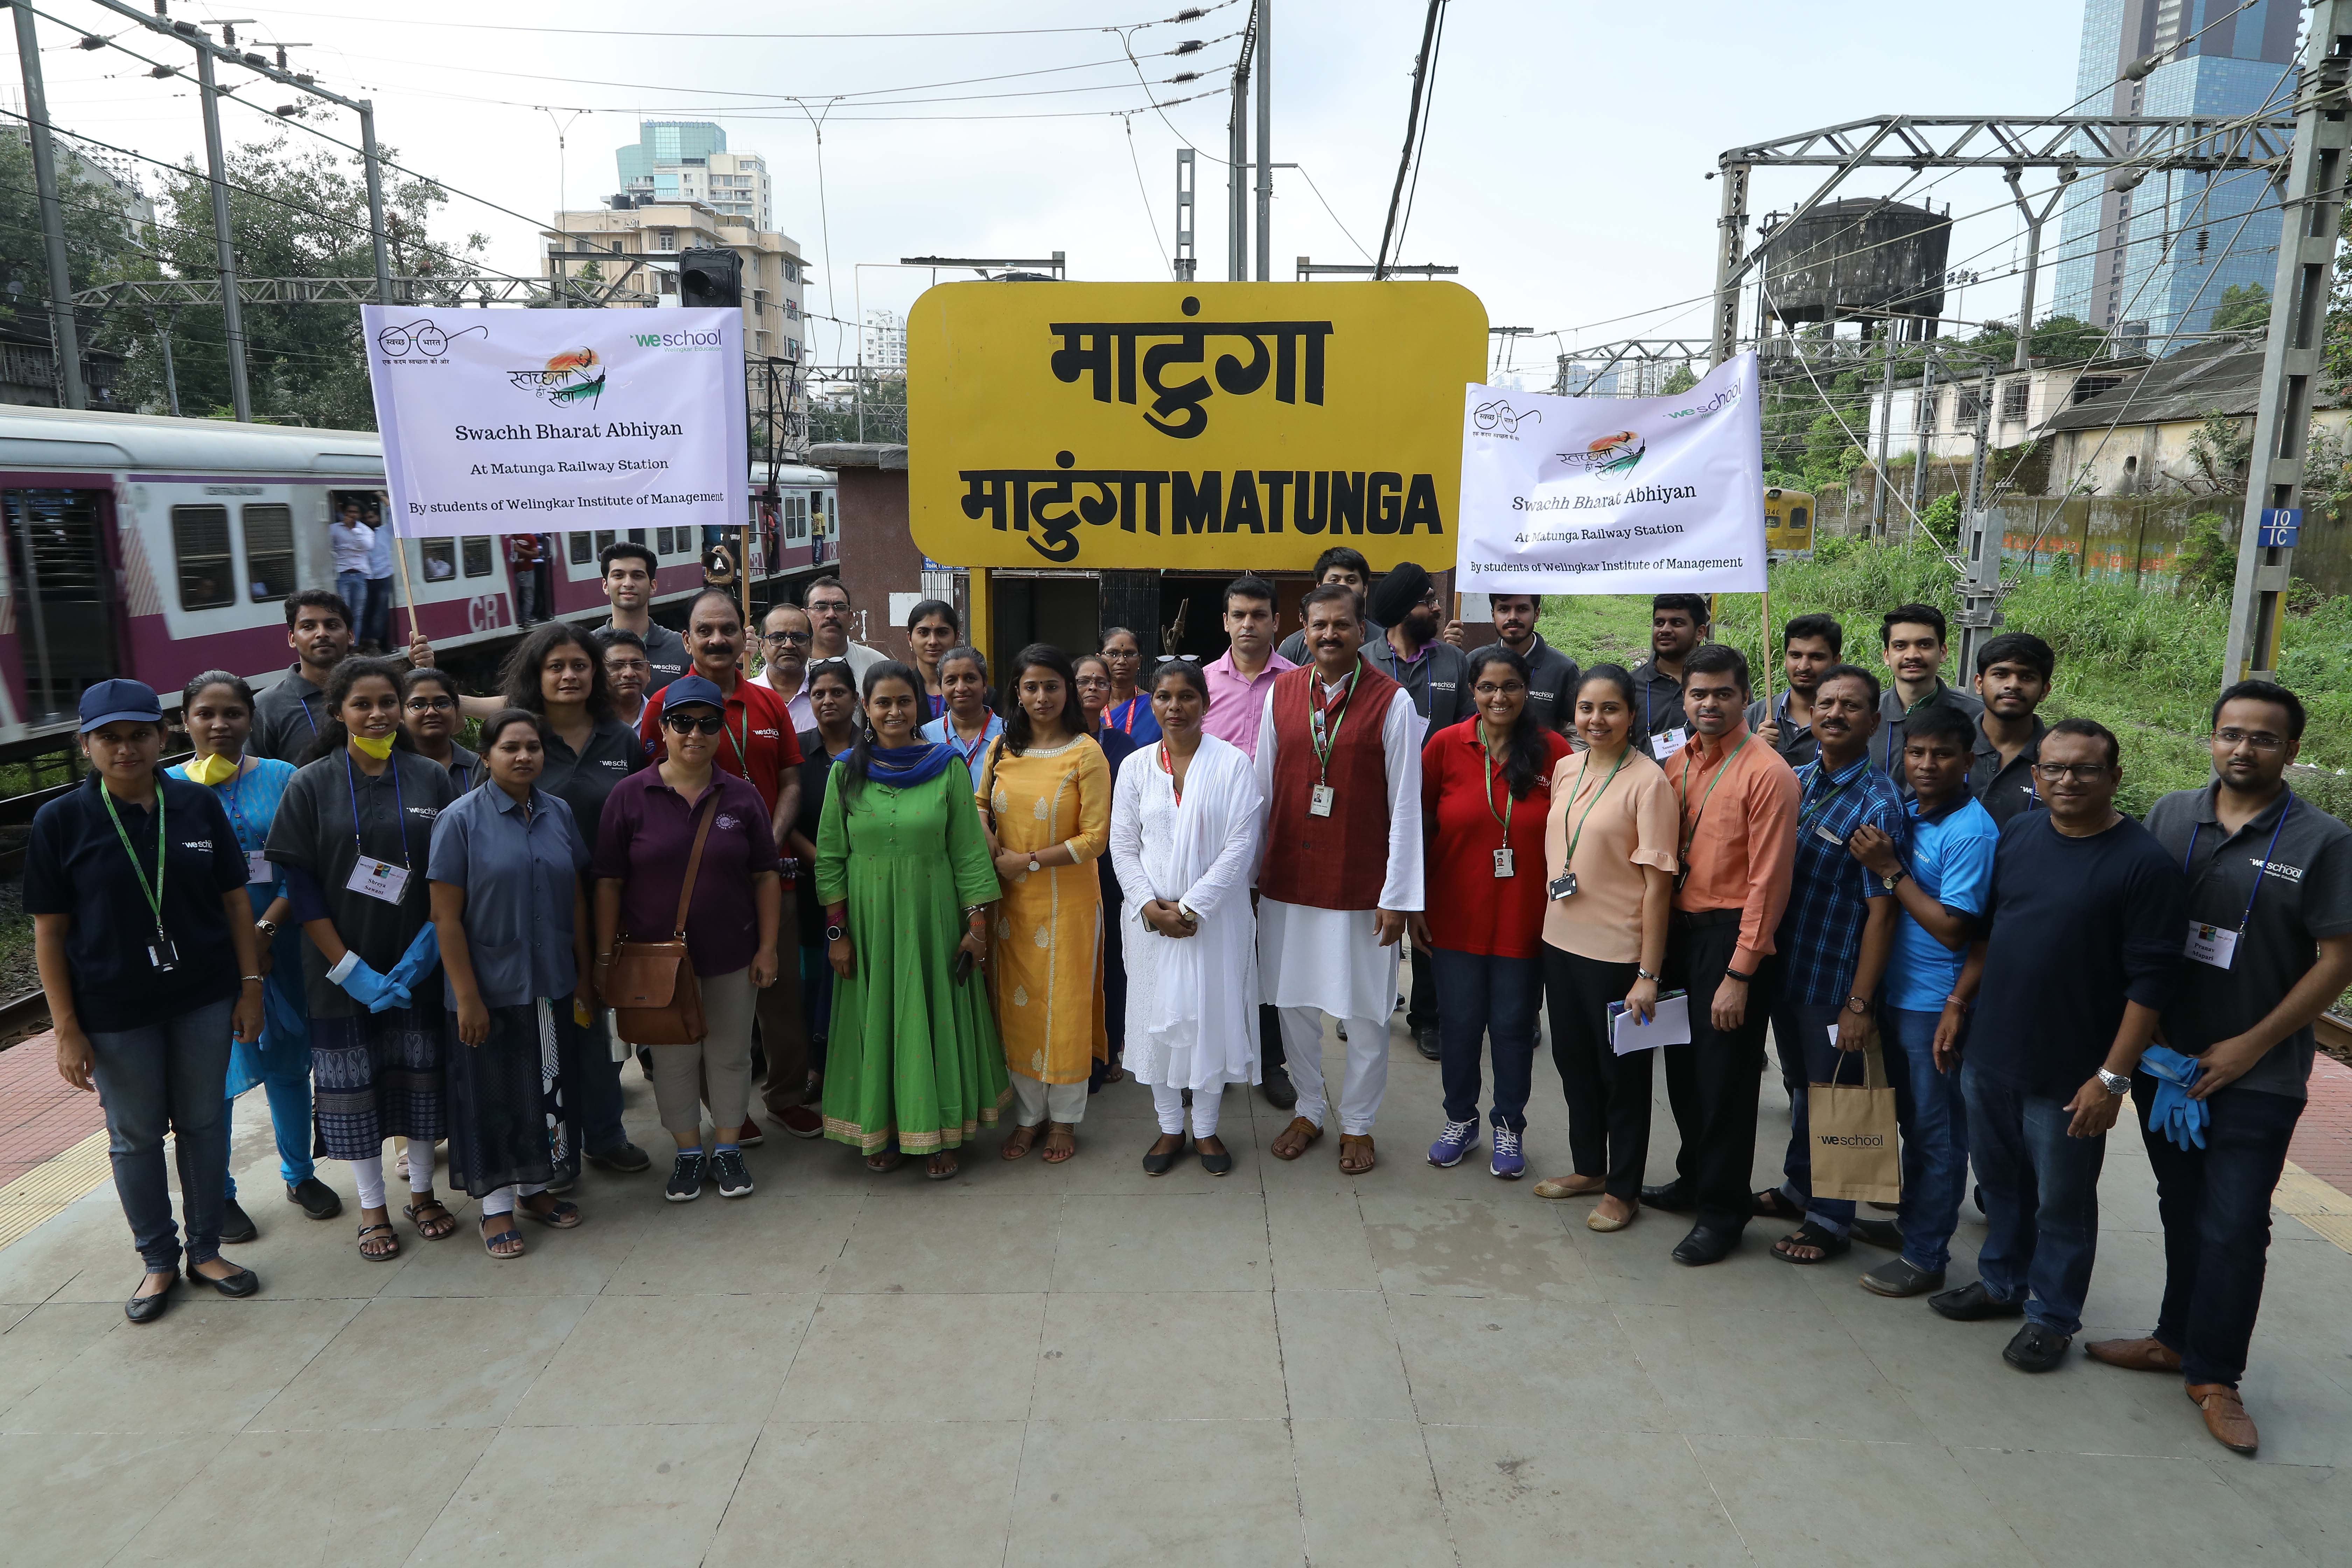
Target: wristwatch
{"points": [[1893, 877], [1735, 975], [1185, 914], [1857, 1006], [2115, 1083], [1033, 864], [1645, 974], [266, 929], [835, 934]]}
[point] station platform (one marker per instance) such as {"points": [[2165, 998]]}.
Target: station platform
{"points": [[1085, 1365]]}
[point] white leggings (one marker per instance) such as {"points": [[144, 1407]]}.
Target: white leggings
{"points": [[1206, 1103], [369, 1175], [502, 1201]]}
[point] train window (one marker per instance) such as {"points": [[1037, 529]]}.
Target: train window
{"points": [[477, 555], [796, 520], [200, 550], [664, 542], [583, 551], [604, 536], [440, 559], [636, 536], [1798, 516], [268, 550]]}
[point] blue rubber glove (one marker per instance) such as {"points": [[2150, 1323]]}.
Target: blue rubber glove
{"points": [[416, 963], [371, 990], [2171, 1111]]}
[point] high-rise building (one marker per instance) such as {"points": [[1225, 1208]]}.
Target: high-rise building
{"points": [[2153, 261], [688, 160]]}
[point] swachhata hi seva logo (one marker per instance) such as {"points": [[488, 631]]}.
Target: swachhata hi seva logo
{"points": [[1619, 453], [574, 377]]}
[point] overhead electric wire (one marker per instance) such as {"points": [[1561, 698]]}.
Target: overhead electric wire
{"points": [[1423, 65], [1428, 115], [1196, 14]]}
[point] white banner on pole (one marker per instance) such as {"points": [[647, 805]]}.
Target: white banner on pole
{"points": [[546, 421], [1614, 495]]}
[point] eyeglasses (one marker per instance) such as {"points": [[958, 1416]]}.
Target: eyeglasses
{"points": [[2051, 772], [431, 704], [827, 606], [1488, 689], [789, 639], [687, 723], [2260, 739]]}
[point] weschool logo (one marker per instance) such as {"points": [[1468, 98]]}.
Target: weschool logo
{"points": [[1499, 418], [1620, 453], [701, 343], [1720, 400], [574, 377]]}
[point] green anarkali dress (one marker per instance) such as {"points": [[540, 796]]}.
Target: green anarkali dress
{"points": [[912, 1055]]}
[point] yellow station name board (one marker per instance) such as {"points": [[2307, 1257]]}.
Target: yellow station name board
{"points": [[1217, 426]]}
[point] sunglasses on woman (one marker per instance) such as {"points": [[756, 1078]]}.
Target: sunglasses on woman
{"points": [[687, 723]]}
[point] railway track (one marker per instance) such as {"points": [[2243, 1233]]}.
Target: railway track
{"points": [[22, 1018]]}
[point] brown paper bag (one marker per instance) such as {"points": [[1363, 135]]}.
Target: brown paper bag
{"points": [[1854, 1150]]}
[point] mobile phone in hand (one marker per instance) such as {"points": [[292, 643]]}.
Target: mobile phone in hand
{"points": [[962, 966]]}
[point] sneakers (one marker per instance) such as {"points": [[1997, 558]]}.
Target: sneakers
{"points": [[801, 1121], [317, 1199], [1508, 1162], [727, 1166], [625, 1157], [1459, 1139], [684, 1177]]}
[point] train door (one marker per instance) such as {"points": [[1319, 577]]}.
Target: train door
{"points": [[63, 573]]}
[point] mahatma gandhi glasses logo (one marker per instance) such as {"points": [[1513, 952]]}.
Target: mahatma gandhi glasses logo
{"points": [[1615, 454], [1501, 420], [421, 341], [574, 377]]}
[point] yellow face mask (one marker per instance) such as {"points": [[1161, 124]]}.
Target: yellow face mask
{"points": [[379, 750], [213, 770]]}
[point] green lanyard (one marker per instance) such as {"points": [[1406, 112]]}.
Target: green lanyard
{"points": [[1316, 707], [1493, 774], [154, 894], [1806, 818], [1691, 837], [1569, 862]]}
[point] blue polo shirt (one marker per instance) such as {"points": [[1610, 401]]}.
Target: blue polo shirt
{"points": [[518, 869], [1951, 860]]}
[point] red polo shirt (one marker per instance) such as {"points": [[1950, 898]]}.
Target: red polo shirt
{"points": [[759, 746], [1471, 909]]}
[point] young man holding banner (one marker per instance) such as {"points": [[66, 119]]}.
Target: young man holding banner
{"points": [[1338, 764], [1677, 626], [1739, 804]]}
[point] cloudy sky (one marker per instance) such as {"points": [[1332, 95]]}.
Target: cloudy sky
{"points": [[1565, 171]]}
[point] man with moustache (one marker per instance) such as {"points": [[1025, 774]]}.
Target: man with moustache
{"points": [[1677, 626], [1346, 567], [288, 716], [625, 673], [1911, 642], [1738, 803], [784, 637], [1809, 645]]}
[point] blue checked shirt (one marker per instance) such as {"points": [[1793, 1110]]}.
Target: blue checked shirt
{"points": [[1820, 940]]}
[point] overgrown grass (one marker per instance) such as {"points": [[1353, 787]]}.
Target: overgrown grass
{"points": [[2146, 665]]}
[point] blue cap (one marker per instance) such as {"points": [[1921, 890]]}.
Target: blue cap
{"points": [[111, 701], [686, 688]]}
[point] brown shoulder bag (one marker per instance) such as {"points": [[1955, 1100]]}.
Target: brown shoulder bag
{"points": [[650, 985]]}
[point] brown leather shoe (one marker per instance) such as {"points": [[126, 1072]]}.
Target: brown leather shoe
{"points": [[2225, 1416], [1303, 1131], [2146, 1354]]}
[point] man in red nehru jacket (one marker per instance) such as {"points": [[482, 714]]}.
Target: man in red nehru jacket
{"points": [[1338, 763]]}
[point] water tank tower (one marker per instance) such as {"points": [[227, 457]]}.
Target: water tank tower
{"points": [[1862, 258]]}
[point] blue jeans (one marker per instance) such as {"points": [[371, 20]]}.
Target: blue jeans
{"points": [[1487, 999], [350, 587], [2042, 1200], [1934, 1122], [2215, 1204], [1802, 1032], [290, 1120], [174, 1074]]}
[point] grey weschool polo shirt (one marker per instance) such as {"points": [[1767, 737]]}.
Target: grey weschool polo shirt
{"points": [[1886, 746], [2005, 790], [1552, 679], [1659, 696], [1797, 745], [2306, 894]]}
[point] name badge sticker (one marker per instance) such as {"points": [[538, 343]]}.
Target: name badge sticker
{"points": [[1669, 741], [258, 868], [379, 879], [1318, 801], [1822, 832], [2216, 945]]}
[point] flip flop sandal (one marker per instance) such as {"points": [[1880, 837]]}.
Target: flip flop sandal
{"points": [[368, 1230], [509, 1239], [1298, 1124], [1773, 1204], [1811, 1235], [560, 1214], [890, 1161], [931, 1174], [1060, 1154], [1358, 1147], [422, 1217], [1020, 1140]]}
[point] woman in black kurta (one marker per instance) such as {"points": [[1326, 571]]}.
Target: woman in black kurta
{"points": [[354, 833]]}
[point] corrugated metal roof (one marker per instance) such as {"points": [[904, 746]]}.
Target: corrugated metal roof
{"points": [[2224, 376]]}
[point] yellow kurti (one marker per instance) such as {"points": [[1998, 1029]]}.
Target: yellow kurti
{"points": [[1045, 967]]}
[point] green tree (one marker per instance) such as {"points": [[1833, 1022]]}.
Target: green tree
{"points": [[100, 245], [2244, 307], [297, 208], [1682, 380]]}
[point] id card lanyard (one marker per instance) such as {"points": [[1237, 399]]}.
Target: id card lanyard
{"points": [[378, 879], [1807, 817], [1320, 713], [1493, 771], [1568, 863], [2214, 944], [256, 864], [160, 952], [1707, 794]]}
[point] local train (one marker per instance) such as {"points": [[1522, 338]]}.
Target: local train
{"points": [[151, 547]]}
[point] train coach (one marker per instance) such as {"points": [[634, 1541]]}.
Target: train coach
{"points": [[151, 547]]}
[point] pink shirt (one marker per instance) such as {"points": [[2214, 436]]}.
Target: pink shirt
{"points": [[1235, 702]]}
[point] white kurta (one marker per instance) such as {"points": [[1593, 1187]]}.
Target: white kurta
{"points": [[1192, 1002], [1332, 959]]}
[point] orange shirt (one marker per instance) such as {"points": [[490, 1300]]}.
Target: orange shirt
{"points": [[1740, 829]]}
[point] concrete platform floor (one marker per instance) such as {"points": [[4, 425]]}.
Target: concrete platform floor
{"points": [[1084, 1365]]}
